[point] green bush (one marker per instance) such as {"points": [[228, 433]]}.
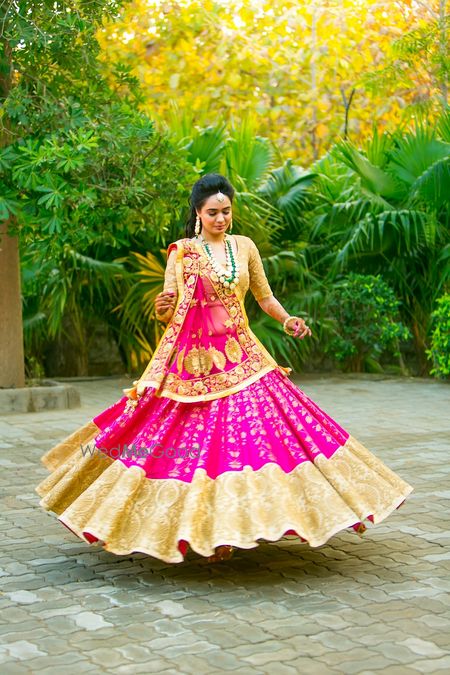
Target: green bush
{"points": [[440, 338], [364, 314]]}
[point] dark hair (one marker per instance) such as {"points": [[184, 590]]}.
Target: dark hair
{"points": [[207, 185]]}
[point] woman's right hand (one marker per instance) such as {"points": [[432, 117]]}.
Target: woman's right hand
{"points": [[165, 301]]}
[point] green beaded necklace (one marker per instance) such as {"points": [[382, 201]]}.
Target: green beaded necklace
{"points": [[228, 277]]}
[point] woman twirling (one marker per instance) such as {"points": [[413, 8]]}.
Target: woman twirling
{"points": [[214, 447]]}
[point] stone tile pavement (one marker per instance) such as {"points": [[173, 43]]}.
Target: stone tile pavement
{"points": [[376, 604]]}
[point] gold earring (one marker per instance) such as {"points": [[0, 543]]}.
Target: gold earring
{"points": [[197, 226], [231, 224]]}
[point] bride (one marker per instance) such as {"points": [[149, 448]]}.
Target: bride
{"points": [[225, 449]]}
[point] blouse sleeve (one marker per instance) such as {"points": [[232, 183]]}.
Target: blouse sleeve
{"points": [[170, 276], [170, 280], [258, 282]]}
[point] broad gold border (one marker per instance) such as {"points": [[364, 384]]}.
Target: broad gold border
{"points": [[128, 512]]}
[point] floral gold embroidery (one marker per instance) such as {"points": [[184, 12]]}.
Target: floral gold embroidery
{"points": [[180, 360], [218, 358], [233, 350], [198, 361]]}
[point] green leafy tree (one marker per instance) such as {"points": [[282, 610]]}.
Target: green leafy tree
{"points": [[81, 169]]}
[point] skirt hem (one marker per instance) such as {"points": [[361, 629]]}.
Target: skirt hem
{"points": [[237, 543]]}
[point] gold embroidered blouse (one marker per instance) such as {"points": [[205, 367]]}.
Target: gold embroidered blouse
{"points": [[251, 272]]}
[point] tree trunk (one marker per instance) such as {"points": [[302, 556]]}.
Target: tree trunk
{"points": [[12, 369], [420, 347]]}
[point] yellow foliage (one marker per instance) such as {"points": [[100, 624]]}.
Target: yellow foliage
{"points": [[322, 130], [285, 60]]}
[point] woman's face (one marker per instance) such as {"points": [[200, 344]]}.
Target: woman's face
{"points": [[215, 215]]}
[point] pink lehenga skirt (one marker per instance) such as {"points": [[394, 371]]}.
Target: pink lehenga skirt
{"points": [[258, 464]]}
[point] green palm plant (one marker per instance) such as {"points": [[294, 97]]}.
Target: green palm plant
{"points": [[63, 297], [140, 331], [393, 219], [287, 188]]}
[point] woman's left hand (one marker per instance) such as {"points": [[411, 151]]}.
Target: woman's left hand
{"points": [[301, 329]]}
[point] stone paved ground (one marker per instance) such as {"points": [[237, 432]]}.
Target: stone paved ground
{"points": [[369, 605]]}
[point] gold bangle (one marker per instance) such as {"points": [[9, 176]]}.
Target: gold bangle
{"points": [[163, 317], [290, 331]]}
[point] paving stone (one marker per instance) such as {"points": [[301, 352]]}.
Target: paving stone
{"points": [[224, 660], [91, 621], [62, 660], [287, 628], [22, 649], [265, 659], [433, 665], [155, 666], [370, 662], [15, 668], [395, 652], [334, 640], [82, 667], [391, 670], [423, 647], [306, 667]]}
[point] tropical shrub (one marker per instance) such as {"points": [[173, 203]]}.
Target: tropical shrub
{"points": [[439, 353], [364, 310]]}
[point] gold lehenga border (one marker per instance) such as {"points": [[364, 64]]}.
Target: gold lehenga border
{"points": [[129, 512], [70, 446], [166, 393]]}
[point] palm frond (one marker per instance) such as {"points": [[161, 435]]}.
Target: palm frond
{"points": [[443, 126], [341, 215], [255, 216], [433, 185], [248, 157], [443, 267], [287, 187], [334, 181], [372, 177], [378, 146], [387, 233], [206, 148], [417, 152], [138, 306], [34, 323]]}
